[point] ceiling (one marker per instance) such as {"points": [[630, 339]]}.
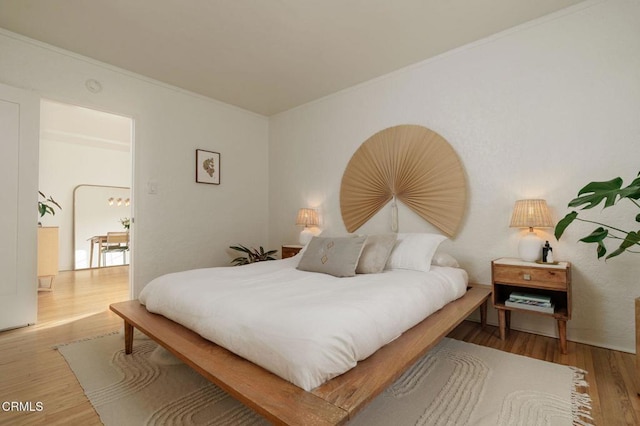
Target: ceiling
{"points": [[77, 125], [265, 56]]}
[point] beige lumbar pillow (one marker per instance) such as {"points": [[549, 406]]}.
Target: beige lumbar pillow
{"points": [[375, 253], [337, 256]]}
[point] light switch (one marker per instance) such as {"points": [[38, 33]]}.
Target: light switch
{"points": [[152, 187]]}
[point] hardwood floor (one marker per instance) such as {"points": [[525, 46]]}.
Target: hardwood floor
{"points": [[31, 370]]}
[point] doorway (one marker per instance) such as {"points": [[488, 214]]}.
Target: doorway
{"points": [[85, 153]]}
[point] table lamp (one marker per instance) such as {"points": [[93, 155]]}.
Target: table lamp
{"points": [[307, 218], [530, 214]]}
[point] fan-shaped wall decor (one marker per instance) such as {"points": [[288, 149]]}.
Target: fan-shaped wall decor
{"points": [[411, 163]]}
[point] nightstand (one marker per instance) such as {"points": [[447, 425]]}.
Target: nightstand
{"points": [[290, 250], [552, 280]]}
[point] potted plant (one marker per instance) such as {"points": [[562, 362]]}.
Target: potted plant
{"points": [[252, 255], [610, 193], [45, 206]]}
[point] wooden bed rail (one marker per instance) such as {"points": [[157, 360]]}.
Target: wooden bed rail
{"points": [[281, 402]]}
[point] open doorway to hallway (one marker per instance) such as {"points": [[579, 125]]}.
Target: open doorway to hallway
{"points": [[86, 166]]}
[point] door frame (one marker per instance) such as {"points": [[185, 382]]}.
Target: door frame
{"points": [[133, 118]]}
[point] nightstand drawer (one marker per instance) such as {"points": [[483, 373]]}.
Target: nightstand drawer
{"points": [[538, 277]]}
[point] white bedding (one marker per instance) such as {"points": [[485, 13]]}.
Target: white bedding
{"points": [[305, 327]]}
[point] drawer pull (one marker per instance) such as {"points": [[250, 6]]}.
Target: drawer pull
{"points": [[526, 277]]}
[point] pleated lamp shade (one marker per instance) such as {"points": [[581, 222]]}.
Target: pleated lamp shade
{"points": [[415, 165], [307, 217], [530, 214]]}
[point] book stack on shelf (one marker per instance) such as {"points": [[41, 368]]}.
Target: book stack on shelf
{"points": [[532, 302]]}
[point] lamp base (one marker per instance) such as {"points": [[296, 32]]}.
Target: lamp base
{"points": [[530, 247], [308, 233]]}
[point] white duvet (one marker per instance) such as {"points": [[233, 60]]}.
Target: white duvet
{"points": [[305, 327]]}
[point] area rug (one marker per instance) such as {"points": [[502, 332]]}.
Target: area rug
{"points": [[456, 383]]}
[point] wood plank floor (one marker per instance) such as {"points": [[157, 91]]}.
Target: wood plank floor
{"points": [[31, 370]]}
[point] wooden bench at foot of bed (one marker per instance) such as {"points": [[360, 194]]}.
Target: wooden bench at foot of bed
{"points": [[281, 402]]}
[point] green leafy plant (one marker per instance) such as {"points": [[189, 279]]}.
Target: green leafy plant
{"points": [[611, 193], [252, 255], [46, 206]]}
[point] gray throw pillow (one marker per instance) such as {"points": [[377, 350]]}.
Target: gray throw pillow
{"points": [[336, 256], [375, 253]]}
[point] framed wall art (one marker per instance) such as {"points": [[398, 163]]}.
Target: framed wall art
{"points": [[207, 167]]}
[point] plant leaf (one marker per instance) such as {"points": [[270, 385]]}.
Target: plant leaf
{"points": [[633, 190], [630, 240], [54, 202], [563, 223], [609, 193], [239, 261], [253, 254], [596, 192], [598, 234]]}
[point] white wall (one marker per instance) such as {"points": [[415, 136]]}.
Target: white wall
{"points": [[536, 111], [185, 225]]}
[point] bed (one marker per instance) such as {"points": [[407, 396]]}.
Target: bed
{"points": [[374, 327], [290, 396], [305, 327]]}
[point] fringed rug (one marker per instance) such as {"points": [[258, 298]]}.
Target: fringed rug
{"points": [[456, 383]]}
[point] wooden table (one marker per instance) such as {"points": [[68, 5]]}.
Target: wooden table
{"points": [[550, 280]]}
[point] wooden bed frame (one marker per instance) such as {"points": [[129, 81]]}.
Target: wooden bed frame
{"points": [[281, 402]]}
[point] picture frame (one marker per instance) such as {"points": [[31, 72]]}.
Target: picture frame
{"points": [[207, 167]]}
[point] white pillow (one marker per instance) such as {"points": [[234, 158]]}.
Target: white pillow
{"points": [[414, 251], [444, 259]]}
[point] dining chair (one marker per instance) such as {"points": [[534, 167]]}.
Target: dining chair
{"points": [[116, 242]]}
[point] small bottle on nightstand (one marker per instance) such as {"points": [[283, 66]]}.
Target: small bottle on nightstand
{"points": [[545, 251]]}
